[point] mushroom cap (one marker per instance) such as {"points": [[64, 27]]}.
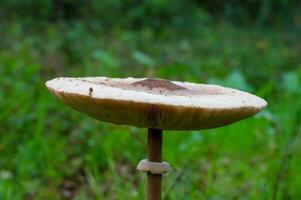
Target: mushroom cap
{"points": [[156, 103]]}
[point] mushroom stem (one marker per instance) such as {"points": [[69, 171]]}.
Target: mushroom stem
{"points": [[154, 154]]}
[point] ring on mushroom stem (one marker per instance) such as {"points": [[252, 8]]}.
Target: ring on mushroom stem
{"points": [[156, 104]]}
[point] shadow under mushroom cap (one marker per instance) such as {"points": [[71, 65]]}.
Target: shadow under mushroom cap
{"points": [[156, 103]]}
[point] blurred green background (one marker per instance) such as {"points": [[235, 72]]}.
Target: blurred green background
{"points": [[49, 151]]}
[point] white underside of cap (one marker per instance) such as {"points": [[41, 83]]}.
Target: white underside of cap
{"points": [[228, 98]]}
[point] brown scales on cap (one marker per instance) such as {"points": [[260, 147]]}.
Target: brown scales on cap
{"points": [[152, 83]]}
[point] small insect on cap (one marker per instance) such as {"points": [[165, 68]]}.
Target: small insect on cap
{"points": [[156, 103]]}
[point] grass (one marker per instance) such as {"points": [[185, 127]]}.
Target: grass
{"points": [[49, 151]]}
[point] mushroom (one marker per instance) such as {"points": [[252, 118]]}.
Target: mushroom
{"points": [[156, 104]]}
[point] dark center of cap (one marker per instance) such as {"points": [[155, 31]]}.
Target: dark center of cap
{"points": [[152, 83]]}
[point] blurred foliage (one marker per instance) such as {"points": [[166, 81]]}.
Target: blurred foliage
{"points": [[153, 13], [49, 151]]}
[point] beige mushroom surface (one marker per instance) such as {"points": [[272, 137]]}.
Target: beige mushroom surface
{"points": [[156, 103]]}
